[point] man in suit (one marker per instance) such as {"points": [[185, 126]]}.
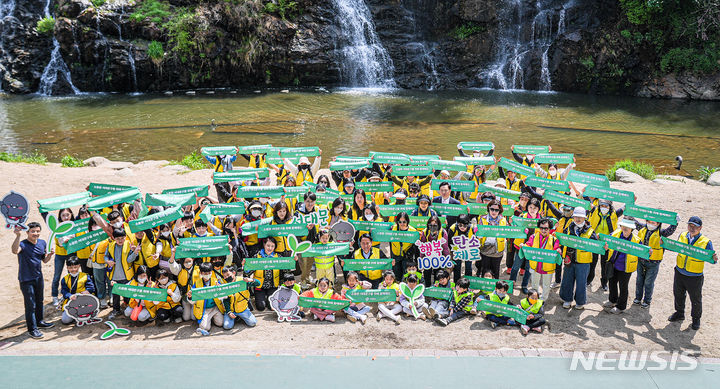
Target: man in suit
{"points": [[445, 198]]}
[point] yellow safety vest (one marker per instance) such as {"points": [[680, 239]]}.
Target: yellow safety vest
{"points": [[370, 274], [691, 264], [79, 285], [534, 308], [653, 242], [128, 268], [549, 245], [631, 261], [582, 256], [500, 241]]}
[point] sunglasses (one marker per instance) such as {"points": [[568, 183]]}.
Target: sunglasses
{"points": [[402, 222], [544, 228], [494, 209]]}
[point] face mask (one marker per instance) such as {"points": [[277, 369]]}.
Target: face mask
{"points": [[652, 227], [142, 280], [579, 225], [338, 210], [229, 279], [74, 274], [255, 213], [552, 173], [164, 281], [117, 225], [501, 295], [188, 265], [370, 217], [604, 211], [434, 228], [205, 277], [263, 200], [568, 213], [166, 234], [94, 228]]}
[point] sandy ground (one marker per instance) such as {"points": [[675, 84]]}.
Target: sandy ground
{"points": [[591, 329]]}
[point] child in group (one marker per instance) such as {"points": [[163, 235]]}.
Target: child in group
{"points": [[438, 307], [460, 303], [534, 306], [389, 309], [171, 307], [325, 265], [210, 311], [268, 280], [322, 291], [280, 300], [412, 282], [75, 282], [185, 274], [355, 311], [410, 269], [140, 310], [237, 304], [499, 296]]}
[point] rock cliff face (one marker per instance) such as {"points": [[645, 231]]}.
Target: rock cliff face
{"points": [[127, 46]]}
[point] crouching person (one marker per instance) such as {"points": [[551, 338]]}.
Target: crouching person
{"points": [[236, 305], [499, 296], [460, 302], [75, 282], [210, 311], [140, 310], [534, 307], [170, 309]]}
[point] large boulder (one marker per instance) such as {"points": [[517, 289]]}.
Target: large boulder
{"points": [[627, 177], [95, 161], [714, 179]]}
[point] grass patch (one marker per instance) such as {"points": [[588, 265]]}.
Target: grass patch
{"points": [[645, 170], [45, 26], [705, 172], [70, 161], [193, 161], [152, 10], [284, 8], [466, 30], [35, 158]]}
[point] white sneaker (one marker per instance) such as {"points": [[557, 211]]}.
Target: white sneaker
{"points": [[330, 318], [608, 304], [554, 285], [566, 305], [178, 320], [524, 329], [580, 307], [616, 311], [56, 301], [363, 318]]}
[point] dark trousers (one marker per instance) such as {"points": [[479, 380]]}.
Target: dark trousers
{"points": [[33, 297], [510, 259], [399, 267], [458, 272], [116, 298], [558, 274], [428, 275], [619, 289], [455, 316], [604, 268], [682, 284], [172, 313], [261, 298], [536, 322], [490, 264]]}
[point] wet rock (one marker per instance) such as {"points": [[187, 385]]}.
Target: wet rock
{"points": [[627, 177], [714, 179], [95, 161]]}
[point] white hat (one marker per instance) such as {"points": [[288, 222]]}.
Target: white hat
{"points": [[501, 182], [627, 223], [579, 212], [304, 161], [445, 172], [399, 195]]}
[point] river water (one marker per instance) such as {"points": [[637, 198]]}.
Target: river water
{"points": [[599, 130]]}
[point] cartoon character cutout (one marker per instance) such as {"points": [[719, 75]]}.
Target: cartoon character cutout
{"points": [[14, 207], [342, 231], [83, 309], [284, 301]]}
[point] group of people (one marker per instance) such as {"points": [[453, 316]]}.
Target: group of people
{"points": [[148, 258]]}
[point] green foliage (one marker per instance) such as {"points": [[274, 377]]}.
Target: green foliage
{"points": [[154, 10], [35, 158], [705, 172], [45, 25], [587, 62], [643, 169], [641, 11], [193, 161], [626, 34], [464, 31], [698, 61], [284, 8], [181, 30], [70, 161], [156, 51], [97, 3]]}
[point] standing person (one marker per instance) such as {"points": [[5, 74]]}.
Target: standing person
{"points": [[603, 220], [444, 198], [622, 267], [577, 263], [491, 249], [31, 255], [119, 258], [433, 233], [649, 234], [689, 276], [402, 253], [366, 251], [61, 256], [462, 227], [542, 273]]}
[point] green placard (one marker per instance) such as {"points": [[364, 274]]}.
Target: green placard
{"points": [[249, 192], [269, 263], [200, 251], [345, 158], [207, 241], [654, 214], [280, 162], [333, 305], [455, 185], [390, 158], [362, 225], [541, 255], [139, 292], [402, 171], [240, 175], [524, 222], [475, 161], [254, 225], [601, 192], [382, 186], [626, 246], [103, 189], [395, 236], [255, 149], [199, 190], [169, 200], [217, 291], [587, 178], [576, 242], [438, 293], [481, 209], [297, 190], [485, 284], [479, 146], [531, 149], [61, 202], [110, 199], [516, 167], [218, 150], [282, 230], [85, 240], [80, 225], [686, 249], [156, 219], [560, 198], [453, 166], [296, 152], [326, 250], [349, 165], [234, 208], [510, 232], [558, 185], [500, 309], [424, 158], [371, 295], [558, 159], [420, 222], [393, 210], [500, 192], [367, 264], [450, 209]]}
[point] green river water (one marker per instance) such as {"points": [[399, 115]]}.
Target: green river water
{"points": [[599, 130]]}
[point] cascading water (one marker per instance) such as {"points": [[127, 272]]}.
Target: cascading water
{"points": [[363, 59], [7, 8], [55, 67], [131, 58], [421, 52]]}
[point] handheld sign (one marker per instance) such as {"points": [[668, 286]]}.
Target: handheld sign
{"points": [[587, 178], [61, 202], [688, 250], [269, 263], [219, 150], [600, 192], [217, 291], [580, 243], [499, 309], [558, 159], [626, 246], [654, 214], [479, 146], [531, 149], [333, 305]]}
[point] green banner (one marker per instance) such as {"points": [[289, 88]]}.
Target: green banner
{"points": [[588, 178], [382, 186], [654, 214], [296, 152], [420, 222], [600, 192], [510, 232], [103, 189], [234, 208], [139, 292], [481, 209], [516, 167], [686, 249], [110, 199], [333, 305], [424, 158], [500, 192], [452, 166], [269, 263], [201, 251], [253, 226], [560, 198], [348, 165], [479, 146], [345, 158], [530, 149], [455, 185], [438, 293], [395, 236], [450, 209], [280, 162], [80, 225], [500, 309], [403, 171], [390, 158], [585, 244], [169, 200], [207, 241], [145, 223], [362, 225], [199, 190], [393, 210], [326, 250], [485, 284], [558, 159], [558, 185], [217, 291], [240, 175], [371, 295], [218, 150], [322, 198], [475, 161], [85, 240], [254, 149], [626, 246], [524, 222], [541, 255], [367, 264], [249, 192], [282, 230], [297, 190], [61, 202]]}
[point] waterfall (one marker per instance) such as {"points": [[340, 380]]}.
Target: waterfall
{"points": [[363, 59], [422, 54], [131, 59], [56, 66], [7, 8]]}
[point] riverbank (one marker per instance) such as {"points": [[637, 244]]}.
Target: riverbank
{"points": [[590, 329]]}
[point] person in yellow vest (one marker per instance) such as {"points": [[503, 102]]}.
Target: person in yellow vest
{"points": [[183, 228], [622, 265], [164, 245], [170, 309], [99, 268], [402, 253], [520, 265], [389, 309], [355, 311], [542, 273], [460, 303], [84, 254], [534, 307], [256, 160], [412, 283], [603, 220], [512, 180], [303, 171], [577, 263], [563, 222], [423, 184], [462, 227], [140, 310], [268, 280], [237, 305], [307, 207], [322, 291], [338, 211], [367, 251], [221, 163], [119, 258], [689, 276], [650, 234], [500, 295], [61, 255], [252, 214], [210, 311], [491, 249], [74, 283], [325, 265], [148, 255], [186, 271], [281, 215]]}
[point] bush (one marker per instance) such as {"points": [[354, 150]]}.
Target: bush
{"points": [[97, 3], [152, 10], [466, 30], [35, 158], [70, 161], [156, 51], [641, 11], [705, 172], [698, 61], [45, 26], [284, 8], [645, 170], [193, 161]]}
